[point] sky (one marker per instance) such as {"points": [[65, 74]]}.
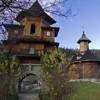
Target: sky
{"points": [[87, 18]]}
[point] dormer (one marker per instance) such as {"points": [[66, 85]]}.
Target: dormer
{"points": [[49, 33], [14, 30]]}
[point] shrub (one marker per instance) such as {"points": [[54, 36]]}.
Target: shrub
{"points": [[44, 96], [13, 95]]}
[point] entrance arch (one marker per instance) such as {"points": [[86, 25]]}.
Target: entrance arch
{"points": [[29, 83]]}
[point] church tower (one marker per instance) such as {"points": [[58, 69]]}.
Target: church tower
{"points": [[87, 63], [84, 44], [34, 35]]}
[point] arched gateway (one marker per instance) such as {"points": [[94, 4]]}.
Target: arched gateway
{"points": [[30, 80], [32, 37]]}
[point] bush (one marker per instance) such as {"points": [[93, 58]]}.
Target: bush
{"points": [[44, 96], [13, 95]]}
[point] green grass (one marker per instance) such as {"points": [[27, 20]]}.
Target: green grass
{"points": [[86, 91]]}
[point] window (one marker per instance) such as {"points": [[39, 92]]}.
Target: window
{"points": [[31, 51], [32, 67], [32, 28], [48, 33], [15, 32]]}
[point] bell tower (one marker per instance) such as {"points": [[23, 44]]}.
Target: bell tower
{"points": [[31, 38], [84, 43]]}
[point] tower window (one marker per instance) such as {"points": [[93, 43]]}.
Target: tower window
{"points": [[31, 51], [48, 33], [15, 32], [32, 28]]}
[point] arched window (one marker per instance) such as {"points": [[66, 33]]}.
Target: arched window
{"points": [[32, 28]]}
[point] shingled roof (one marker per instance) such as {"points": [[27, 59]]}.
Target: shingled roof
{"points": [[36, 6], [13, 26], [88, 56], [36, 11], [83, 38]]}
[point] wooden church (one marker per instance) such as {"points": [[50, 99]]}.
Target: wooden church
{"points": [[33, 36], [88, 65]]}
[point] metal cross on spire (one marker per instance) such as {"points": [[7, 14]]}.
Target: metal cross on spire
{"points": [[83, 28]]}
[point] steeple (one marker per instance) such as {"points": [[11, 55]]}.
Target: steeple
{"points": [[84, 43], [83, 38]]}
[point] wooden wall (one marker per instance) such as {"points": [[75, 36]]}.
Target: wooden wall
{"points": [[88, 69], [46, 37]]}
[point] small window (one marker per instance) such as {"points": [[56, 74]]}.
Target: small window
{"points": [[31, 51], [15, 32], [32, 68], [48, 33], [32, 28]]}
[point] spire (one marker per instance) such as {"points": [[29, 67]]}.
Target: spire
{"points": [[83, 38], [36, 6]]}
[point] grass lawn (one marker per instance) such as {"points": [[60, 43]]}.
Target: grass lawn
{"points": [[86, 91]]}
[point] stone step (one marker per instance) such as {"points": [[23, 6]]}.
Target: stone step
{"points": [[29, 96]]}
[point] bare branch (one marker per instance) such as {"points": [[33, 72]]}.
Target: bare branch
{"points": [[9, 9]]}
